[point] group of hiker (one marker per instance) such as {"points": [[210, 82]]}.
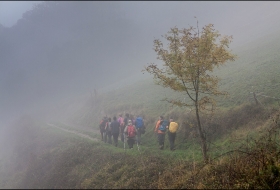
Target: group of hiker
{"points": [[131, 129], [161, 127], [127, 126]]}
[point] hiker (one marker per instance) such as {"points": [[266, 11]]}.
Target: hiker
{"points": [[120, 120], [125, 121], [139, 124], [115, 129], [102, 125], [172, 129], [108, 133], [130, 131], [132, 119], [160, 129]]}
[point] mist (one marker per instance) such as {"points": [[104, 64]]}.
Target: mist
{"points": [[62, 50], [59, 54]]}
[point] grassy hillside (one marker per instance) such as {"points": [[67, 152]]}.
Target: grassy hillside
{"points": [[256, 70], [245, 156]]}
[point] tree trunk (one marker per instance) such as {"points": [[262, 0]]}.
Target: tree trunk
{"points": [[202, 137]]}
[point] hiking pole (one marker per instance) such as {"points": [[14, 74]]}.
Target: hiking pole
{"points": [[123, 142]]}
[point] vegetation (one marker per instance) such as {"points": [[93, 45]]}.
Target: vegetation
{"points": [[245, 155], [188, 62]]}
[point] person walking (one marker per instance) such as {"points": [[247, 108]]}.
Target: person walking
{"points": [[130, 131], [139, 124], [160, 129], [102, 126], [108, 132], [121, 122], [132, 119], [125, 121], [115, 130], [172, 129]]}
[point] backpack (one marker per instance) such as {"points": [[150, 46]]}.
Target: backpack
{"points": [[121, 121], [102, 124], [108, 127], [139, 122], [163, 125], [173, 127], [131, 132]]}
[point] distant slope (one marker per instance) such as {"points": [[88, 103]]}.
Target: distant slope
{"points": [[256, 70]]}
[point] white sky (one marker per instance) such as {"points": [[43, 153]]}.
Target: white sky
{"points": [[11, 11]]}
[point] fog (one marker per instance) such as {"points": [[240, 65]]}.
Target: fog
{"points": [[62, 50]]}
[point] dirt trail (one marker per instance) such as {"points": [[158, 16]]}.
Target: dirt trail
{"points": [[74, 132], [88, 129], [80, 134]]}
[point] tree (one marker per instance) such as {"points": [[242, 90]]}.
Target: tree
{"points": [[187, 65]]}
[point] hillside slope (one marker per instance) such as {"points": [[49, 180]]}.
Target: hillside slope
{"points": [[46, 157], [256, 70]]}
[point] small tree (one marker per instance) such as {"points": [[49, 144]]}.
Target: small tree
{"points": [[187, 64]]}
